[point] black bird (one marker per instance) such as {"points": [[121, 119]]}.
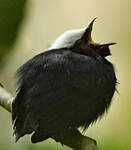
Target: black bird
{"points": [[69, 86]]}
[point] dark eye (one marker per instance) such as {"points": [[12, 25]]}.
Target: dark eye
{"points": [[77, 44]]}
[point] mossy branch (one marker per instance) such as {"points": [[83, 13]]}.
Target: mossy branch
{"points": [[75, 141]]}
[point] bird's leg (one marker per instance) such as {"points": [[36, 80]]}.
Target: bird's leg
{"points": [[66, 134]]}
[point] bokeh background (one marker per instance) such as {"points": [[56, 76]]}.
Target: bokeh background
{"points": [[29, 27]]}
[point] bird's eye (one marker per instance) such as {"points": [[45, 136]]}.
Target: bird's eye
{"points": [[78, 41]]}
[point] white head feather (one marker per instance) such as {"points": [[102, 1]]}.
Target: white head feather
{"points": [[67, 39]]}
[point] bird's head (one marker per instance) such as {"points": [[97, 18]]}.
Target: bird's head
{"points": [[80, 41]]}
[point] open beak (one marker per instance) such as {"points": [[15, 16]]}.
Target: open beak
{"points": [[88, 39]]}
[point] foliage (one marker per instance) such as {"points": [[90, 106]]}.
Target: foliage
{"points": [[11, 16]]}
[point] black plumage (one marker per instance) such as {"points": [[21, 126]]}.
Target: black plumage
{"points": [[63, 89]]}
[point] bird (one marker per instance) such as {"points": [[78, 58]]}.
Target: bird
{"points": [[70, 85]]}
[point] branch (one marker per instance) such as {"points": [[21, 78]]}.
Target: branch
{"points": [[5, 99], [74, 140]]}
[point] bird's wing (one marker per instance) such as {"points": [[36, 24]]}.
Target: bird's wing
{"points": [[51, 87]]}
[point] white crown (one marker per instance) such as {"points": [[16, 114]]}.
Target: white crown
{"points": [[67, 39]]}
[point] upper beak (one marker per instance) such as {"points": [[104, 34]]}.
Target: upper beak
{"points": [[87, 35]]}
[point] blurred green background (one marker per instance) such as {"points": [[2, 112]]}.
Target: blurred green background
{"points": [[29, 27]]}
